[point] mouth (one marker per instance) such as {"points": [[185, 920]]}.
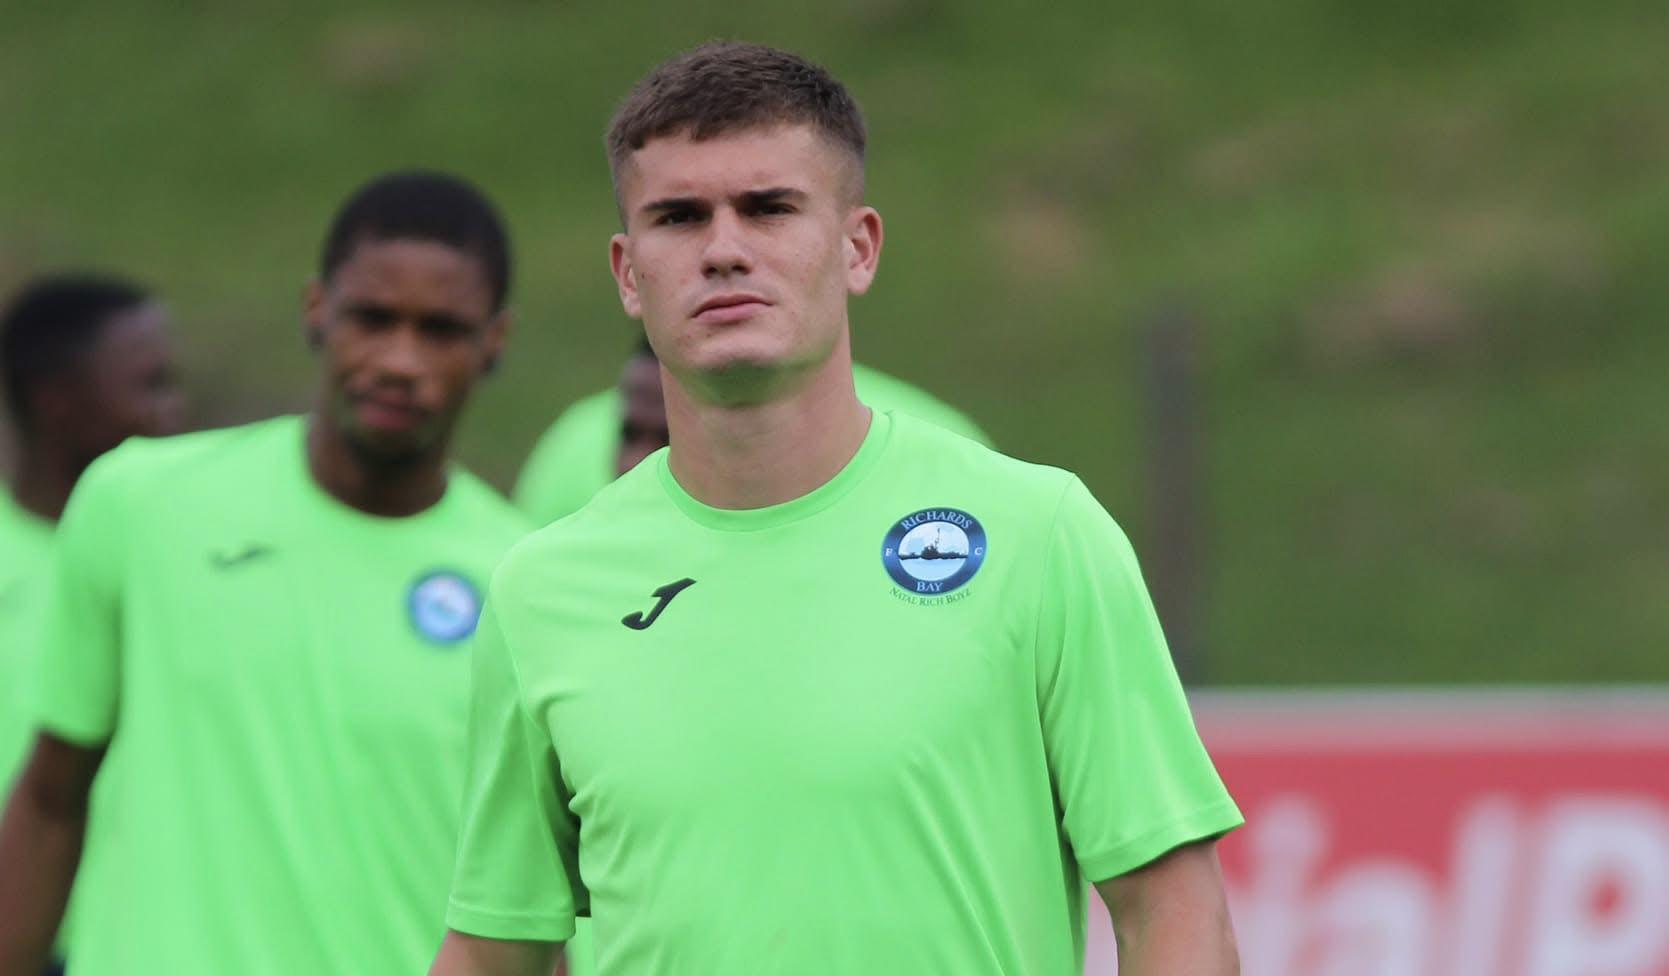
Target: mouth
{"points": [[390, 414], [722, 309]]}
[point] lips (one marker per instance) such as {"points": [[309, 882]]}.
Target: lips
{"points": [[389, 413], [730, 308]]}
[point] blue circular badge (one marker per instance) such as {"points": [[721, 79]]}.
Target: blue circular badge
{"points": [[444, 606], [934, 550]]}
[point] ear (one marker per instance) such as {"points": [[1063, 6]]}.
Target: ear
{"points": [[863, 248], [313, 313], [492, 341], [625, 276]]}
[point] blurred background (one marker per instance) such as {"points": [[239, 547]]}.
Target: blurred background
{"points": [[1353, 313]]}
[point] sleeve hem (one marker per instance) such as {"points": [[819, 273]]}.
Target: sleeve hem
{"points": [[508, 925], [90, 734], [1211, 821]]}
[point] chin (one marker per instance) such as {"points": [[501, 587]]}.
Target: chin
{"points": [[387, 449]]}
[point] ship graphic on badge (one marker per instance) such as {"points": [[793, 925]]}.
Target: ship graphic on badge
{"points": [[934, 550]]}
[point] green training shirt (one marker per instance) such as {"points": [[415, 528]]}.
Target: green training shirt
{"points": [[572, 459], [892, 726], [284, 683], [575, 455]]}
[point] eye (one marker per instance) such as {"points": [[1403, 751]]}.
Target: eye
{"points": [[445, 328], [372, 317], [670, 218]]}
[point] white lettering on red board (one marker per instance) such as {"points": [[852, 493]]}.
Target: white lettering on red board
{"points": [[1574, 886]]}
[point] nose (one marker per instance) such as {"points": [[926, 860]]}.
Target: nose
{"points": [[725, 252], [400, 353]]}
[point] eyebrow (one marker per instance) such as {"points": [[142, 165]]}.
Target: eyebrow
{"points": [[432, 320], [369, 306], [751, 197]]}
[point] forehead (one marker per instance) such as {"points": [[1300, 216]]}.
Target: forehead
{"points": [[402, 272], [792, 156], [136, 335]]}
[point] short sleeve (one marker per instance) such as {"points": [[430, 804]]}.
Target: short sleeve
{"points": [[515, 876], [1133, 778], [78, 673]]}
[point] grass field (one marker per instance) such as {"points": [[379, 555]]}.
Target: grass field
{"points": [[1424, 246]]}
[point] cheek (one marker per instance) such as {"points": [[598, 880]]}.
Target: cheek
{"points": [[460, 371]]}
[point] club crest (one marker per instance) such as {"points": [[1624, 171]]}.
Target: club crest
{"points": [[444, 606], [933, 551]]}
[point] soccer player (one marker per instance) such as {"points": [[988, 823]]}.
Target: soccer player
{"points": [[605, 434], [267, 627], [86, 361], [820, 689]]}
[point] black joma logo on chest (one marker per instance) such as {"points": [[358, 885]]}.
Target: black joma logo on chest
{"points": [[663, 596]]}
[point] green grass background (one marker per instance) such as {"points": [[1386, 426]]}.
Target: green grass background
{"points": [[1424, 245]]}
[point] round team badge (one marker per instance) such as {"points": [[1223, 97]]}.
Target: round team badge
{"points": [[933, 551], [444, 606]]}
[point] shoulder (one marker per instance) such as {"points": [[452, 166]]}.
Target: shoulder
{"points": [[629, 507], [594, 411], [1020, 499], [886, 392], [21, 530], [148, 460], [571, 459], [482, 504], [923, 443]]}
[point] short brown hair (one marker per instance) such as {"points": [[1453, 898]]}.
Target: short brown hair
{"points": [[726, 86]]}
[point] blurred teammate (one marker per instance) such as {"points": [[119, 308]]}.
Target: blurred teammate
{"points": [[603, 435], [267, 626], [86, 360], [820, 689]]}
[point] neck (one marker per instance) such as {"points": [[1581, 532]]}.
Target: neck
{"points": [[392, 489], [44, 481], [751, 456]]}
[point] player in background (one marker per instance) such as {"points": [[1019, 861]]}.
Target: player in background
{"points": [[819, 689], [266, 626], [603, 435], [86, 361]]}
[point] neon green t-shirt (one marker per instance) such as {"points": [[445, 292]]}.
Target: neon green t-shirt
{"points": [[284, 683], [892, 726], [572, 459], [575, 455], [25, 575]]}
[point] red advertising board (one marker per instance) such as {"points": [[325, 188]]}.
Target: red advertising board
{"points": [[1443, 834]]}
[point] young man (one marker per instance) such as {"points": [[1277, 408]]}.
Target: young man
{"points": [[267, 627], [86, 361], [603, 435], [819, 690]]}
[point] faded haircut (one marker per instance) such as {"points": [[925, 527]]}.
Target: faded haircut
{"points": [[723, 87]]}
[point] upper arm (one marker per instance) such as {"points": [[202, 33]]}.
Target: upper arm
{"points": [[1131, 774], [462, 954], [1172, 913], [516, 875], [58, 777]]}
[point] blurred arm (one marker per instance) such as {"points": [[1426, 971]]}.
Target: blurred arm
{"points": [[1170, 916], [40, 845], [471, 955]]}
